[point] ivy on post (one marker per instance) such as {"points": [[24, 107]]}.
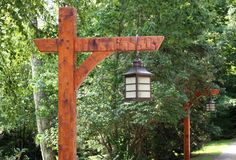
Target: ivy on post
{"points": [[70, 77]]}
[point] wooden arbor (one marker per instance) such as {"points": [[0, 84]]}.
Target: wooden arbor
{"points": [[70, 77], [187, 107]]}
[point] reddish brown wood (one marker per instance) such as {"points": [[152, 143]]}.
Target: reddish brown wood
{"points": [[187, 106], [214, 91], [187, 132], [67, 94], [88, 65], [197, 94], [71, 78], [206, 92], [47, 45], [145, 43]]}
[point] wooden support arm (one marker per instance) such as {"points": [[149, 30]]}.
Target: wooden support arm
{"points": [[207, 92], [47, 45], [88, 65]]}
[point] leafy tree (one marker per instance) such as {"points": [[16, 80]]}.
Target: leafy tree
{"points": [[226, 75], [183, 65], [17, 107], [199, 38]]}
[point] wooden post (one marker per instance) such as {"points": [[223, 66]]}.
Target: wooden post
{"points": [[187, 106], [70, 77], [187, 132], [66, 92]]}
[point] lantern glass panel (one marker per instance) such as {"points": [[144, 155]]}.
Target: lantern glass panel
{"points": [[144, 87], [143, 79], [130, 87], [130, 94], [208, 107], [130, 80], [142, 94], [211, 107]]}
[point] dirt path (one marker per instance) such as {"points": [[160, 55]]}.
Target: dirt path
{"points": [[229, 153]]}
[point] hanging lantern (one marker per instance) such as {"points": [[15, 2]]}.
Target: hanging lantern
{"points": [[210, 106], [137, 83]]}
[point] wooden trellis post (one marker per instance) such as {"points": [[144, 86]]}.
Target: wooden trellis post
{"points": [[70, 77]]}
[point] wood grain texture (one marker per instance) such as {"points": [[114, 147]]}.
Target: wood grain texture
{"points": [[66, 94], [88, 65], [145, 43]]}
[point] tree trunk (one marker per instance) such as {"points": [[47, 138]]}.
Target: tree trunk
{"points": [[43, 123]]}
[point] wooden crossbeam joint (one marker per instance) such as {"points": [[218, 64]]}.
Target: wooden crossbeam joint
{"points": [[198, 94]]}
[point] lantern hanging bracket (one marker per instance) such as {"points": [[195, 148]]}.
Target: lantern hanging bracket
{"points": [[136, 47]]}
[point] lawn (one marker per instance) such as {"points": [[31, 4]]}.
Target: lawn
{"points": [[211, 150]]}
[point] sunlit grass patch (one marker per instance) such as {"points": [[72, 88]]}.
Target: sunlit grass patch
{"points": [[211, 150]]}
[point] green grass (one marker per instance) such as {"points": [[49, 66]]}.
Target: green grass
{"points": [[211, 150]]}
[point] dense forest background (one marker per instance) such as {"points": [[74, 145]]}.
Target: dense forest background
{"points": [[199, 52]]}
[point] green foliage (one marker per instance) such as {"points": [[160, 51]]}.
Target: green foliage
{"points": [[17, 29], [225, 116], [199, 49], [18, 143], [225, 119], [184, 64], [49, 137], [228, 51], [14, 99], [17, 155]]}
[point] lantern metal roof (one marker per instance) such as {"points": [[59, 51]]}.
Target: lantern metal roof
{"points": [[138, 69]]}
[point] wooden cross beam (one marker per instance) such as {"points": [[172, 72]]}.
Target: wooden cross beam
{"points": [[145, 43], [70, 77]]}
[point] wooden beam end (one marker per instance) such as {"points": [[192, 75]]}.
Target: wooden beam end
{"points": [[46, 45], [215, 91]]}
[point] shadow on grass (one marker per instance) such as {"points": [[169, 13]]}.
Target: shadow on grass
{"points": [[204, 156]]}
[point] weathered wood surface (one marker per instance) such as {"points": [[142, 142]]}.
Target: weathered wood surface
{"points": [[47, 45], [145, 43], [67, 94]]}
